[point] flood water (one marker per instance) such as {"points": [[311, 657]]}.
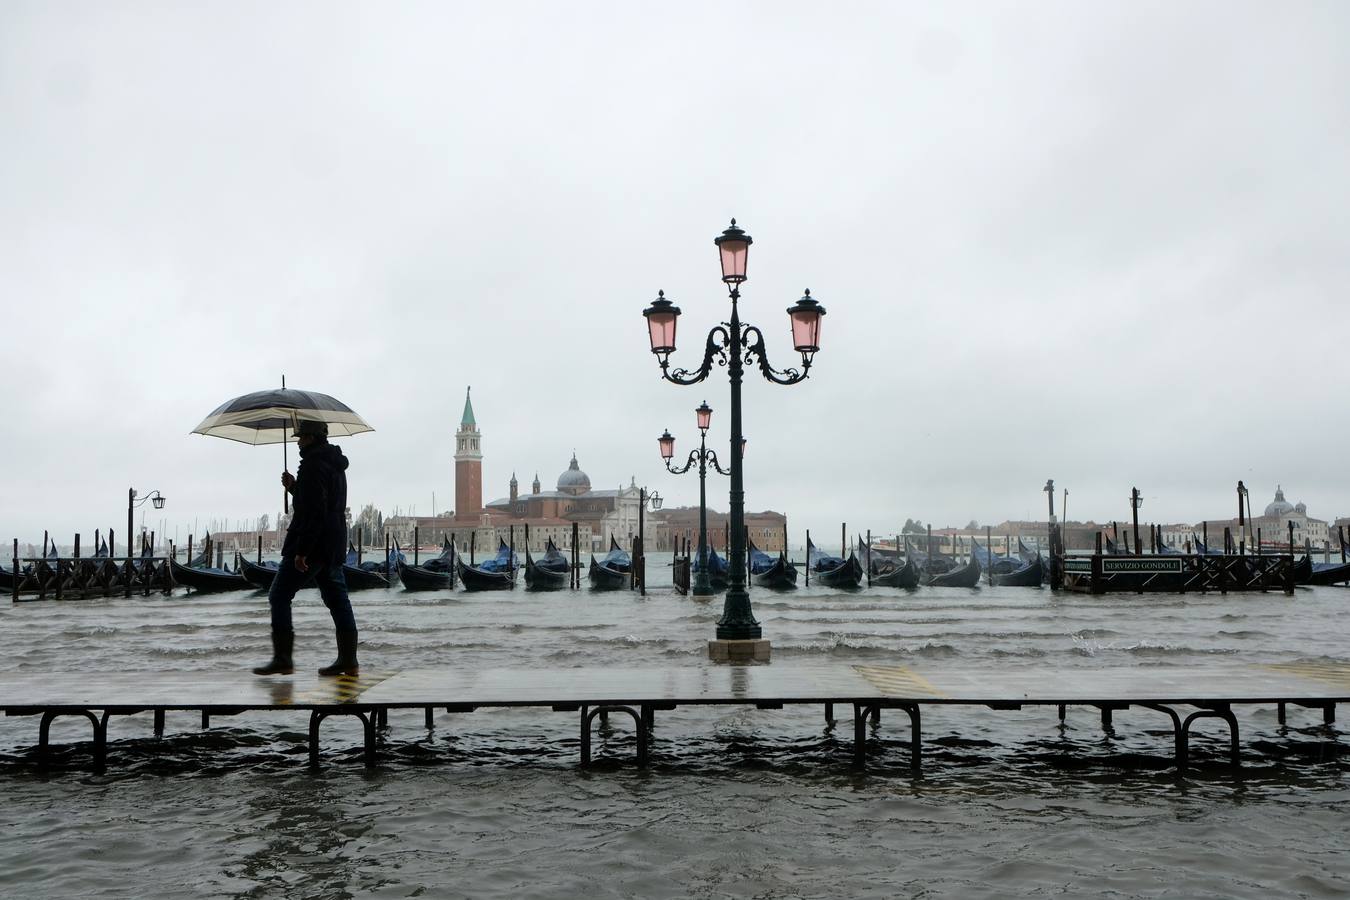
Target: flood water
{"points": [[737, 802]]}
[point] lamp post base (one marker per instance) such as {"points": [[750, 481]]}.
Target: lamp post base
{"points": [[756, 650]]}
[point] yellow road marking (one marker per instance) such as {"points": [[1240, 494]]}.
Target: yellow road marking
{"points": [[900, 681], [1336, 674]]}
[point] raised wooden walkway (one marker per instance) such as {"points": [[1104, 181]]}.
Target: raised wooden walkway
{"points": [[1199, 692]]}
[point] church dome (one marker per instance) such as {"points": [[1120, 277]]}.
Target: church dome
{"points": [[574, 481], [1301, 508], [1279, 506]]}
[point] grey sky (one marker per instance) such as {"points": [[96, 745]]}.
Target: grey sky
{"points": [[1105, 243]]}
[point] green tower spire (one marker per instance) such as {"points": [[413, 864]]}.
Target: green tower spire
{"points": [[468, 409]]}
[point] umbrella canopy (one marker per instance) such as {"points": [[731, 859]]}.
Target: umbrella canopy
{"points": [[267, 417]]}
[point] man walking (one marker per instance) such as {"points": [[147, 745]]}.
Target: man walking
{"points": [[315, 547]]}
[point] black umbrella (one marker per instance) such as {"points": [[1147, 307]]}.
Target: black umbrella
{"points": [[269, 417]]}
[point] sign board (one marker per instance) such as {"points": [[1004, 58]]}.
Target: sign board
{"points": [[1141, 565]]}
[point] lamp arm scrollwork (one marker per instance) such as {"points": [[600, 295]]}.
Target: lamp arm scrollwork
{"points": [[693, 458], [716, 350], [752, 341], [712, 461]]}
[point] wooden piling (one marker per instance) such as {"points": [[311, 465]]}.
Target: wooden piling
{"points": [[808, 557], [989, 551], [417, 543], [868, 562], [77, 545], [17, 573], [576, 563], [473, 540], [843, 540]]}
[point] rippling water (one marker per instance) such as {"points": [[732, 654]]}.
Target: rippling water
{"points": [[738, 802]]}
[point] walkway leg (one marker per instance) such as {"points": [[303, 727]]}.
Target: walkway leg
{"points": [[860, 712], [915, 760], [1329, 714], [585, 736], [1279, 712], [1062, 709], [315, 717], [876, 715], [431, 721], [1106, 718], [159, 723], [829, 713], [206, 720], [644, 716]]}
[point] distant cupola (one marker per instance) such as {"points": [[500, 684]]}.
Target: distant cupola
{"points": [[534, 488], [515, 487], [574, 481]]}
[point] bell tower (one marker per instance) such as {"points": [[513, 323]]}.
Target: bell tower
{"points": [[468, 464]]}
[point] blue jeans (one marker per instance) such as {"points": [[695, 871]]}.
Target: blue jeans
{"points": [[332, 588]]}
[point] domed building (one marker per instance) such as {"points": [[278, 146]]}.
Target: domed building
{"points": [[573, 482], [1280, 506], [1279, 515]]}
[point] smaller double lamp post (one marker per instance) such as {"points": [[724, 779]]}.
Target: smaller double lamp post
{"points": [[702, 586], [733, 345]]}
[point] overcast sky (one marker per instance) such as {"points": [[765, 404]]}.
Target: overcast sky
{"points": [[1099, 242]]}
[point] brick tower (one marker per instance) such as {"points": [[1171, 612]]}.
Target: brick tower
{"points": [[468, 465]]}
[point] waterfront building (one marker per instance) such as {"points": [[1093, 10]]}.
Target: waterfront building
{"points": [[664, 527]]}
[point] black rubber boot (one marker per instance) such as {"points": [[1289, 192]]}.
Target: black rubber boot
{"points": [[345, 664], [283, 643]]}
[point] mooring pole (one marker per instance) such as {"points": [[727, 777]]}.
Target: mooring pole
{"points": [[14, 582], [473, 539], [868, 562], [808, 557], [360, 543], [989, 551], [1291, 538], [843, 540], [260, 548], [576, 562]]}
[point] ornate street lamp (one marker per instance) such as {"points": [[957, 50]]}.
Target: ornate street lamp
{"points": [[734, 345], [645, 497], [156, 500], [704, 457]]}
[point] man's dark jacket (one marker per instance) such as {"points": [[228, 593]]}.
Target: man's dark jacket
{"points": [[318, 529]]}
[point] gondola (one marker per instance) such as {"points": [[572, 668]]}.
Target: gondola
{"points": [[259, 575], [993, 562], [612, 572], [1326, 574], [934, 563], [206, 580], [765, 571], [831, 571], [436, 574], [1026, 553], [1030, 574], [888, 569], [967, 576], [365, 576], [718, 570], [496, 574], [551, 573]]}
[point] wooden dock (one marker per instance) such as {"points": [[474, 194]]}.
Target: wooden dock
{"points": [[1103, 573], [1183, 694]]}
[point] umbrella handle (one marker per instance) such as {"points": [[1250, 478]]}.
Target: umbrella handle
{"points": [[285, 464]]}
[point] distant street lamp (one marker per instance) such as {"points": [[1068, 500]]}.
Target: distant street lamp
{"points": [[156, 500], [703, 456], [644, 497], [734, 345]]}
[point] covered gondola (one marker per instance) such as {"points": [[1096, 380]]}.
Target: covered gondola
{"points": [[832, 571], [1326, 574], [205, 580], [1030, 574], [496, 574], [888, 569], [612, 572], [967, 576], [436, 574], [767, 572], [552, 572], [365, 575], [994, 562], [259, 575], [719, 573]]}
